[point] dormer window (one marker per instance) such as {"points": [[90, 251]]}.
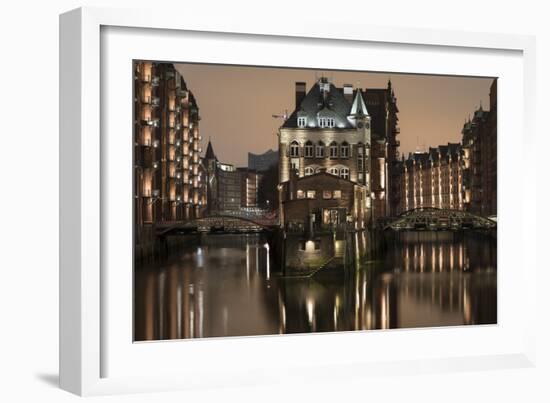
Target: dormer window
{"points": [[302, 121], [326, 122]]}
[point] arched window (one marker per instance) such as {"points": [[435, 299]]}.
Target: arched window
{"points": [[344, 173], [344, 150], [309, 171], [333, 150], [320, 150], [334, 171], [294, 149], [309, 149]]}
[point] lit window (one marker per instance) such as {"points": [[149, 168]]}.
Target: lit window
{"points": [[294, 149], [302, 121], [309, 171], [344, 173], [300, 194], [320, 150], [327, 194], [311, 194], [333, 150], [309, 150], [334, 171], [337, 194]]}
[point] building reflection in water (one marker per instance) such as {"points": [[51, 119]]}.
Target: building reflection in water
{"points": [[224, 285]]}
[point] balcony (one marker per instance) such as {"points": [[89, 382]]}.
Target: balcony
{"points": [[181, 93], [155, 81], [397, 130]]}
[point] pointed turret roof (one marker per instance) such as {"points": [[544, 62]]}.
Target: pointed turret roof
{"points": [[210, 152], [358, 106]]}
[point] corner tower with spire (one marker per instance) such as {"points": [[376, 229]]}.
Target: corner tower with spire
{"points": [[347, 133]]}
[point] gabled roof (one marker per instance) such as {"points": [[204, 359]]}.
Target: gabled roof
{"points": [[320, 102], [325, 99]]}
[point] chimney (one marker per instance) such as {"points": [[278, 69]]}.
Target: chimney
{"points": [[300, 93], [348, 92]]}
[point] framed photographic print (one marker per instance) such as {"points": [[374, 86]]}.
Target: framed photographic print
{"points": [[237, 198]]}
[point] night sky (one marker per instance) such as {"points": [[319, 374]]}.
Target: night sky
{"points": [[237, 103]]}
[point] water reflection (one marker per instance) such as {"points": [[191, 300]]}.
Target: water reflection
{"points": [[225, 285]]}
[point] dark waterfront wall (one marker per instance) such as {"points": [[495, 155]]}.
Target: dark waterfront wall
{"points": [[302, 253]]}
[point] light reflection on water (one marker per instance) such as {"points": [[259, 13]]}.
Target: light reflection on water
{"points": [[226, 285]]}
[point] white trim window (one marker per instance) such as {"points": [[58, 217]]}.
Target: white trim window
{"points": [[344, 150], [333, 150], [344, 173], [308, 152], [294, 149], [334, 171], [326, 122], [309, 171], [320, 150], [302, 121]]}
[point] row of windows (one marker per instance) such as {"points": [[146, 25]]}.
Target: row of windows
{"points": [[321, 122], [341, 172], [318, 150], [312, 194]]}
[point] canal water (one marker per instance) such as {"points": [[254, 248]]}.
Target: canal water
{"points": [[228, 285]]}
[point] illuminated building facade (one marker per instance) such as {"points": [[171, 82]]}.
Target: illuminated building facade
{"points": [[348, 133], [167, 174], [249, 184], [480, 158], [433, 179], [229, 189]]}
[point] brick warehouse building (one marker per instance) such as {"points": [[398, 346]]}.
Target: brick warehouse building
{"points": [[229, 189], [479, 140], [168, 179], [346, 132], [433, 179], [457, 176]]}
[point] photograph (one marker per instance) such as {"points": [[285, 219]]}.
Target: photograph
{"points": [[273, 200]]}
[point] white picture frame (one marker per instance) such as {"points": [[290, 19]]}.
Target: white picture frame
{"points": [[91, 343]]}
